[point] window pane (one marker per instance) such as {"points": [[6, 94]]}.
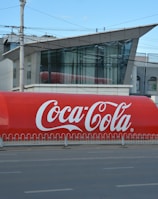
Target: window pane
{"points": [[104, 63]]}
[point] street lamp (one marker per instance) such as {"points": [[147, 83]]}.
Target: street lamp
{"points": [[21, 36]]}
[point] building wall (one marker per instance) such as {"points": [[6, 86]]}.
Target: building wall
{"points": [[145, 74], [6, 75], [128, 76], [31, 70], [79, 89], [111, 57], [87, 69]]}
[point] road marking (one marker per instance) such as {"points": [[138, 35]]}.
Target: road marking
{"points": [[136, 185], [115, 168], [8, 154], [10, 172], [72, 159], [47, 190]]}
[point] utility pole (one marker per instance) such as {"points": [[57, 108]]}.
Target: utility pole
{"points": [[21, 36]]}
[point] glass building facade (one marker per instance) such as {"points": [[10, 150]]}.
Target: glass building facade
{"points": [[103, 63]]}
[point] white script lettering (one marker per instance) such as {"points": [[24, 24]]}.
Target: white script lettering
{"points": [[90, 118]]}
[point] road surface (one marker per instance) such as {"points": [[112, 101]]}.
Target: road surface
{"points": [[79, 172]]}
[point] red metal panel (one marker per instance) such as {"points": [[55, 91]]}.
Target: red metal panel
{"points": [[31, 114]]}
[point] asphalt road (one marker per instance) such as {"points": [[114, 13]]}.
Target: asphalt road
{"points": [[79, 172]]}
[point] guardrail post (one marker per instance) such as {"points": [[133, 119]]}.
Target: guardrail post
{"points": [[65, 141], [123, 141], [1, 142]]}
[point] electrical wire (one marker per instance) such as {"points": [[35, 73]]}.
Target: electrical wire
{"points": [[49, 15], [6, 8]]}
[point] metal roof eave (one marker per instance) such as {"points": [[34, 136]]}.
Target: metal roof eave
{"points": [[83, 40]]}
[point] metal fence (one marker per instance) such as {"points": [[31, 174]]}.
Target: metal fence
{"points": [[72, 139]]}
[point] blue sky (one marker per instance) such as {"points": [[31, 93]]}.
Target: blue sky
{"points": [[64, 18]]}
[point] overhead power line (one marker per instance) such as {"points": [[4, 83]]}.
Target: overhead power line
{"points": [[58, 18], [46, 28], [6, 8]]}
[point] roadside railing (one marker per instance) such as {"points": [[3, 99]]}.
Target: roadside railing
{"points": [[73, 138]]}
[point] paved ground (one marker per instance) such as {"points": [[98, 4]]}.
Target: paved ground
{"points": [[79, 172]]}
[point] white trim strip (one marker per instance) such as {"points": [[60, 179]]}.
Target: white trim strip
{"points": [[136, 185], [115, 168], [75, 158], [10, 172], [47, 190]]}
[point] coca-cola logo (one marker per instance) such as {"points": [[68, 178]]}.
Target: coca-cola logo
{"points": [[90, 118]]}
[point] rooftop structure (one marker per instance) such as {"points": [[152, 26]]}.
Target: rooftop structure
{"points": [[101, 60]]}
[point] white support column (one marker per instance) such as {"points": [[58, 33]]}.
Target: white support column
{"points": [[134, 79]]}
